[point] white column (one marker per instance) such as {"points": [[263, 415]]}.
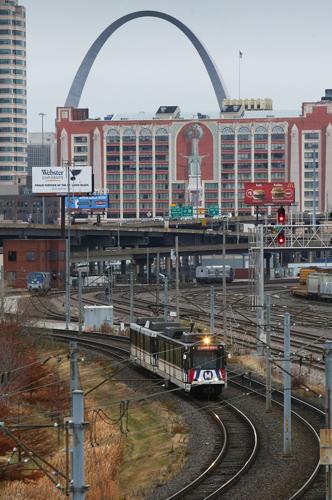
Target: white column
{"points": [[96, 160], [121, 173], [170, 173], [236, 189], [64, 146], [153, 172], [137, 173], [269, 158], [219, 166], [328, 171], [252, 156], [105, 160], [295, 167]]}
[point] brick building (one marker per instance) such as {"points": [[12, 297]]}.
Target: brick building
{"points": [[21, 257], [146, 164]]}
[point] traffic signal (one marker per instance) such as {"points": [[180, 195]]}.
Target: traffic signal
{"points": [[281, 215], [281, 238]]}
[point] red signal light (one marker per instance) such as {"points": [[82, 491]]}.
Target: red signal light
{"points": [[281, 238], [281, 215]]}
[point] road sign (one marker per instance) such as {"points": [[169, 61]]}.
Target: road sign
{"points": [[187, 211], [176, 212], [213, 210]]}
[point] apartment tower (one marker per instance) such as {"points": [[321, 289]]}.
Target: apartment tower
{"points": [[13, 101]]}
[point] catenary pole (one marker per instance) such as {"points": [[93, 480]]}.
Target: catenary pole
{"points": [[109, 286], [78, 487], [131, 298], [68, 253], [157, 281], [287, 388], [212, 310], [177, 277], [260, 310], [268, 353], [166, 299], [328, 406], [224, 298], [73, 366], [80, 301]]}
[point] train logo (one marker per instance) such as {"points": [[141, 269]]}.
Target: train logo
{"points": [[207, 375]]}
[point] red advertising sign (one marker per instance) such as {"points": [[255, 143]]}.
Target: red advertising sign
{"points": [[269, 193]]}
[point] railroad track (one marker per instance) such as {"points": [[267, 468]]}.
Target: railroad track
{"points": [[307, 346], [238, 449], [234, 450], [237, 446], [308, 414]]}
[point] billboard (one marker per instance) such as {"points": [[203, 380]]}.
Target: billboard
{"points": [[269, 193], [99, 201], [53, 180]]}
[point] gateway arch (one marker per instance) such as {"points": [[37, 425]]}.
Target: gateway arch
{"points": [[81, 76]]}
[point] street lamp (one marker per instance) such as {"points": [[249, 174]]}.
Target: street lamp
{"points": [[42, 161], [70, 177]]}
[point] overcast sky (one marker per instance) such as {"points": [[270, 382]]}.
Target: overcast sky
{"points": [[286, 45]]}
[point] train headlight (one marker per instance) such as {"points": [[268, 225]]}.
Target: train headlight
{"points": [[206, 340]]}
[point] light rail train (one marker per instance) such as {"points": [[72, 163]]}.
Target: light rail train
{"points": [[192, 360]]}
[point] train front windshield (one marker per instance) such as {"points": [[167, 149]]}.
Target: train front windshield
{"points": [[208, 359]]}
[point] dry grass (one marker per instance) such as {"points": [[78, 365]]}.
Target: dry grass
{"points": [[156, 441], [102, 464], [304, 382]]}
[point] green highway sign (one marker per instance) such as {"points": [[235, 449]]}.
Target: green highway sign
{"points": [[176, 212], [213, 210], [187, 211]]}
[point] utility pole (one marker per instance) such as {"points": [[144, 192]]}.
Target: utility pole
{"points": [[73, 366], [177, 277], [42, 162], [80, 301], [109, 287], [68, 253], [78, 488], [147, 266], [328, 413], [212, 310], [287, 388], [268, 354], [260, 334], [131, 298], [224, 300], [157, 281], [166, 299]]}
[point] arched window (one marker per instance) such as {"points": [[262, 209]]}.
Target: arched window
{"points": [[261, 134], [161, 135], [227, 134], [129, 135], [145, 135], [112, 136], [278, 133], [244, 134]]}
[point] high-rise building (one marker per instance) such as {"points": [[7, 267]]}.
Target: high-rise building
{"points": [[13, 103], [41, 149]]}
